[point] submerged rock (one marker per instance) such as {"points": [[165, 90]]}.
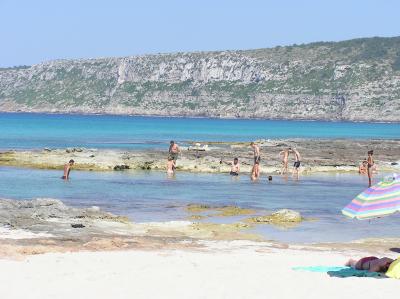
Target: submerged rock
{"points": [[233, 211], [284, 217], [197, 208], [225, 211], [196, 217]]}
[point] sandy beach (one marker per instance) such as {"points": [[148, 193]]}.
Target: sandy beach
{"points": [[225, 270], [42, 255]]}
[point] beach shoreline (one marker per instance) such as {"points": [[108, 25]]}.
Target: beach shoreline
{"points": [[81, 252], [48, 225], [219, 269]]}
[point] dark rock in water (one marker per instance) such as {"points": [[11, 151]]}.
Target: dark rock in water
{"points": [[73, 150], [47, 149], [394, 163], [147, 165], [92, 156], [121, 167], [78, 225]]}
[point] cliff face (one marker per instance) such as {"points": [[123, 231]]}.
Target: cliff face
{"points": [[351, 80]]}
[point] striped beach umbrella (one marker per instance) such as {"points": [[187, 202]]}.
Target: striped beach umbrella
{"points": [[379, 200]]}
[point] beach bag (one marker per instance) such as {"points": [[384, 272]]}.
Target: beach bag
{"points": [[394, 269]]}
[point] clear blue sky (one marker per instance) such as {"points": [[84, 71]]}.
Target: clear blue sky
{"points": [[33, 31]]}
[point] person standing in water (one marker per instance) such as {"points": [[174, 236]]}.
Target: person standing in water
{"points": [[67, 169], [256, 151], [370, 161], [173, 152], [235, 167], [170, 166], [297, 161], [255, 172], [285, 159]]}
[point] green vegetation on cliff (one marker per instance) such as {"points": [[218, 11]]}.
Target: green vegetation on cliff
{"points": [[353, 80]]}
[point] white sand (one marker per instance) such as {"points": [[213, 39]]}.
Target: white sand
{"points": [[7, 233], [242, 272]]}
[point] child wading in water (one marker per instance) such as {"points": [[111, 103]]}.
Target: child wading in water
{"points": [[255, 172], [170, 165], [285, 159], [67, 169]]}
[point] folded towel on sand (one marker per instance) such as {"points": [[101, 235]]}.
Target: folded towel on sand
{"points": [[335, 271]]}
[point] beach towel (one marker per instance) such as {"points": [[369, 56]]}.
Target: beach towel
{"points": [[351, 272], [394, 269], [321, 269], [339, 271]]}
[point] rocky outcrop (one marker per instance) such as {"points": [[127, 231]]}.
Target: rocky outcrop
{"points": [[284, 218], [280, 216], [50, 215], [317, 156], [350, 80]]}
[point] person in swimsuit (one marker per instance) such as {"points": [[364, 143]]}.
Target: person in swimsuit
{"points": [[370, 166], [371, 263], [235, 167], [173, 152], [170, 166], [297, 161], [256, 151], [255, 172], [67, 169], [285, 158], [362, 169]]}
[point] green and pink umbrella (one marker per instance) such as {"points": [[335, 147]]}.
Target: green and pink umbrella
{"points": [[379, 200]]}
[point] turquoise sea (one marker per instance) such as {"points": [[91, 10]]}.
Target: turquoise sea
{"points": [[152, 196], [26, 131]]}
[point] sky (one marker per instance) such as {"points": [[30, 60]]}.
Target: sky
{"points": [[33, 31]]}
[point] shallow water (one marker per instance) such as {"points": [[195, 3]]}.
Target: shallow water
{"points": [[27, 131], [152, 196]]}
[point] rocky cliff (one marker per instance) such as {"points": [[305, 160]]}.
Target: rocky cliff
{"points": [[350, 80]]}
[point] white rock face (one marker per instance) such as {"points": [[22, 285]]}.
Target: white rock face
{"points": [[189, 67]]}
